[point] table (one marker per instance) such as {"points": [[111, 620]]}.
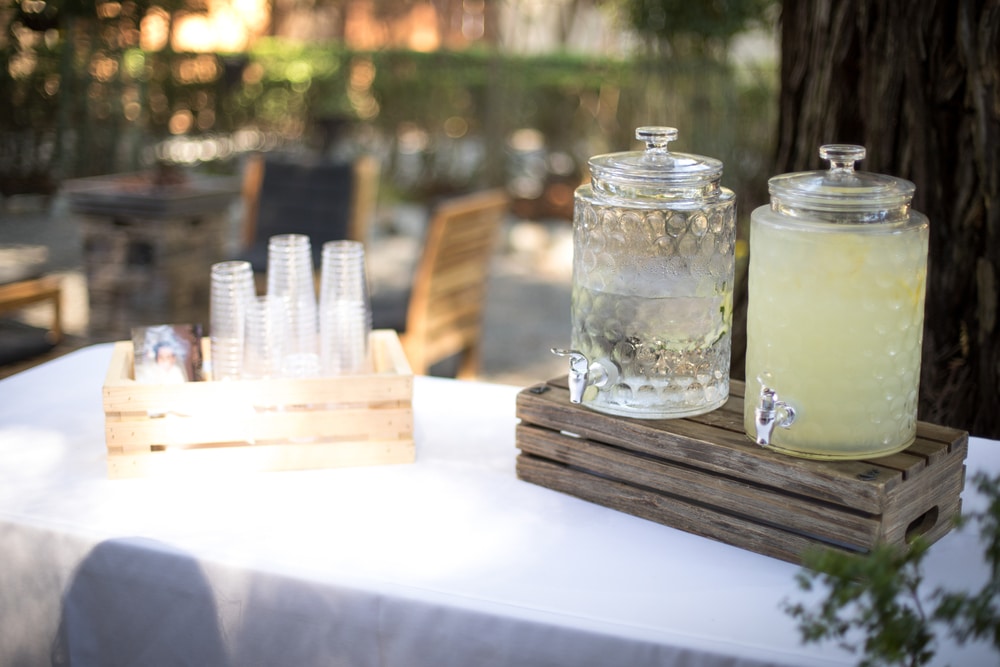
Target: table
{"points": [[448, 561]]}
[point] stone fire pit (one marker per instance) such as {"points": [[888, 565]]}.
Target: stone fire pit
{"points": [[149, 240]]}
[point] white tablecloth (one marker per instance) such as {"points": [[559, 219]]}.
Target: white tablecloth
{"points": [[448, 561]]}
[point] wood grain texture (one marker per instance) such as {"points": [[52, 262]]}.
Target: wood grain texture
{"points": [[445, 311]]}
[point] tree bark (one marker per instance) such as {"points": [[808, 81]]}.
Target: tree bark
{"points": [[918, 84]]}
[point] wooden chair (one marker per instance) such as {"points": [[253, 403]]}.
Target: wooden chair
{"points": [[21, 341], [445, 309], [17, 295], [324, 200]]}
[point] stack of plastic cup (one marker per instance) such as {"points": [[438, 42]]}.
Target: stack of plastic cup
{"points": [[300, 365], [266, 338], [290, 277], [232, 290], [345, 314]]}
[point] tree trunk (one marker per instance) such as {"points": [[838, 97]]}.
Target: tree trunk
{"points": [[918, 84]]}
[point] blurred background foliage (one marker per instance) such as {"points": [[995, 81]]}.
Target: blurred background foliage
{"points": [[86, 96]]}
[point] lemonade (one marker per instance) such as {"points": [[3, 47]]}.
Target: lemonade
{"points": [[835, 321]]}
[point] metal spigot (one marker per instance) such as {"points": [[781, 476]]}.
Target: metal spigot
{"points": [[771, 412], [582, 373]]}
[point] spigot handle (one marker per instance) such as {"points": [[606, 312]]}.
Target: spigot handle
{"points": [[579, 367], [771, 412]]}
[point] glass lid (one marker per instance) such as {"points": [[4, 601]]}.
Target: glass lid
{"points": [[654, 170], [842, 194]]}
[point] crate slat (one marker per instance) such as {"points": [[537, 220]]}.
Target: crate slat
{"points": [[703, 475], [136, 434], [673, 512]]}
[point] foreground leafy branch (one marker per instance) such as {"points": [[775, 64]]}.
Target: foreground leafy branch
{"points": [[875, 604]]}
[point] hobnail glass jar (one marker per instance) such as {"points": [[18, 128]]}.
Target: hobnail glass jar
{"points": [[838, 266], [653, 264]]}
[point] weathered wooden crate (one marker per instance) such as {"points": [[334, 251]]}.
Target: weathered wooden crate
{"points": [[260, 425], [704, 476]]}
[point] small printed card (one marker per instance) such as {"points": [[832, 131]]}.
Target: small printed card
{"points": [[167, 353]]}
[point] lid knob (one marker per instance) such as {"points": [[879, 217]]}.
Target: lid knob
{"points": [[842, 156], [656, 138]]}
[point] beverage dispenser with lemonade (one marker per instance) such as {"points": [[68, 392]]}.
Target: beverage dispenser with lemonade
{"points": [[835, 313], [653, 265]]}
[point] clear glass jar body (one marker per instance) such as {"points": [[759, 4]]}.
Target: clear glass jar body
{"points": [[834, 327], [652, 301]]}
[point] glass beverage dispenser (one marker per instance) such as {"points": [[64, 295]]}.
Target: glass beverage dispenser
{"points": [[653, 264], [835, 315]]}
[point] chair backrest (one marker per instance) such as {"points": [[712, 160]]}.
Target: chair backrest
{"points": [[445, 312], [367, 172], [324, 200]]}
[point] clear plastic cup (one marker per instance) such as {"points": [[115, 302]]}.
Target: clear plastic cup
{"points": [[290, 276], [266, 338], [343, 274], [345, 319], [344, 333], [231, 291], [300, 365]]}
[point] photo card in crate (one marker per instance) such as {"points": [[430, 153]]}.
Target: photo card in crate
{"points": [[167, 353]]}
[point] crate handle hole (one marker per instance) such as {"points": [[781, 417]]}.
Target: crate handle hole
{"points": [[922, 524]]}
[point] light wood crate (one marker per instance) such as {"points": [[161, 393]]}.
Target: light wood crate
{"points": [[704, 476], [260, 425]]}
